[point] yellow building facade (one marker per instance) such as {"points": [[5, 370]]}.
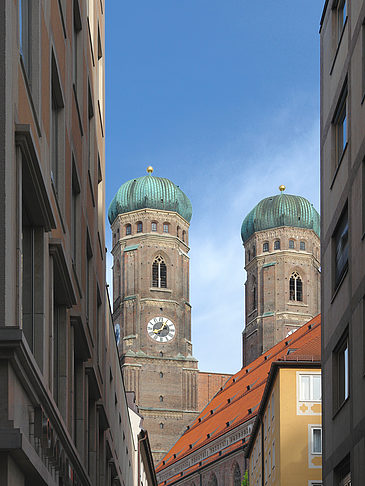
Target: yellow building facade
{"points": [[285, 447]]}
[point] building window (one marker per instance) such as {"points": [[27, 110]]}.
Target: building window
{"points": [[154, 226], [25, 33], [74, 212], [128, 229], [295, 287], [273, 455], [291, 244], [100, 77], [316, 440], [184, 235], [340, 10], [159, 273], [56, 127], [277, 245], [341, 248], [77, 65], [265, 246], [139, 227], [302, 245], [165, 227], [161, 425], [161, 374], [310, 388], [89, 282], [253, 251], [248, 255], [341, 374], [236, 475], [91, 135], [161, 398], [178, 231], [340, 128]]}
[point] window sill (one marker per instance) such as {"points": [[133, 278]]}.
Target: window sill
{"points": [[297, 303], [338, 166], [340, 408], [339, 284], [159, 289]]}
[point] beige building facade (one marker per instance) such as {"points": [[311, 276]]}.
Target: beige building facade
{"points": [[64, 417], [282, 261], [342, 240]]}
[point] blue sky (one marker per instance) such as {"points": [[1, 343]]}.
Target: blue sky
{"points": [[221, 97]]}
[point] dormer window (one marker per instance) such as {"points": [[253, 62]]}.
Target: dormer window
{"points": [[277, 245], [128, 229], [154, 226], [139, 227], [265, 246]]}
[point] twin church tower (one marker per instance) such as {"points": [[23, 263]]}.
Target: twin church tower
{"points": [[150, 218]]}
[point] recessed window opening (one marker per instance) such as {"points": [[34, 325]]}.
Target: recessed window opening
{"points": [[161, 374], [128, 229], [295, 287], [139, 227], [165, 227], [161, 425], [159, 273], [302, 245], [265, 246], [291, 244], [340, 127], [184, 235], [154, 226], [161, 398], [277, 245], [341, 248], [316, 440]]}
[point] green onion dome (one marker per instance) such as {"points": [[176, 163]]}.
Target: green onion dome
{"points": [[150, 192], [280, 210]]}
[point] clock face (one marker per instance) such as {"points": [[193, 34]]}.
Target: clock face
{"points": [[161, 329], [117, 332]]}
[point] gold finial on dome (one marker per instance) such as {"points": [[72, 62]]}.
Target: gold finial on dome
{"points": [[150, 169], [282, 188]]}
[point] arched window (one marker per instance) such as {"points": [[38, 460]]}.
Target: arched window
{"points": [[291, 244], [128, 229], [139, 227], [159, 273], [265, 246], [296, 287], [153, 226], [183, 235], [302, 245], [236, 475], [213, 480], [161, 398], [277, 245], [161, 425], [166, 227]]}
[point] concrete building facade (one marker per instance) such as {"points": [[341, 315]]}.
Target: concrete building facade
{"points": [[282, 261], [342, 240], [64, 417]]}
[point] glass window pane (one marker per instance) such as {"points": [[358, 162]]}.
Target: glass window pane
{"points": [[305, 387], [316, 441], [316, 387]]}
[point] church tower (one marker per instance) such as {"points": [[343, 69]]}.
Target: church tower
{"points": [[149, 219], [282, 251]]}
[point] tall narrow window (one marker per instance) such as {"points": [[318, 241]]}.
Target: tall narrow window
{"points": [[89, 286], [184, 235], [100, 77], [159, 273], [265, 246], [295, 287], [128, 229], [316, 440], [302, 245], [139, 227], [76, 55], [91, 135], [165, 227], [341, 360], [277, 245], [56, 127], [254, 251], [154, 226], [236, 475], [74, 212], [341, 248], [291, 244], [25, 33], [340, 127]]}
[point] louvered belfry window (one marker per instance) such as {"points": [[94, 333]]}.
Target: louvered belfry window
{"points": [[296, 287], [159, 273]]}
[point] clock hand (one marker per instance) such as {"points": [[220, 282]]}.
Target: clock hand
{"points": [[157, 331]]}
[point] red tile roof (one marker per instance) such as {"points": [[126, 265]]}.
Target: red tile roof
{"points": [[238, 400]]}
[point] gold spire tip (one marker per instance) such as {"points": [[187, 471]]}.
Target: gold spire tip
{"points": [[150, 169], [282, 188]]}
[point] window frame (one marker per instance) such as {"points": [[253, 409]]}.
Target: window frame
{"points": [[277, 245], [154, 226], [166, 228], [341, 375], [295, 293], [340, 131], [265, 247], [311, 387], [313, 429], [139, 226], [128, 229], [340, 237], [291, 244]]}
